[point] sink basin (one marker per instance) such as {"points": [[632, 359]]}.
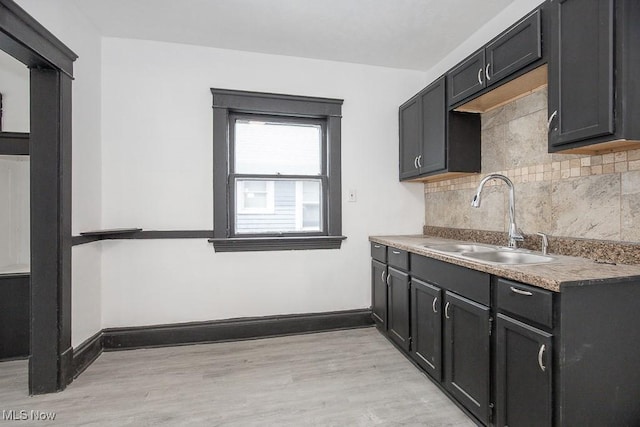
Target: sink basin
{"points": [[508, 257], [461, 247]]}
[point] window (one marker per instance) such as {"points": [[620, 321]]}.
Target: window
{"points": [[276, 172]]}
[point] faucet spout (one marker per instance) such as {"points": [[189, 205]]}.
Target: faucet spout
{"points": [[514, 234]]}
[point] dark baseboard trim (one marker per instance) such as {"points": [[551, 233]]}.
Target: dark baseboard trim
{"points": [[143, 234], [232, 329], [86, 353]]}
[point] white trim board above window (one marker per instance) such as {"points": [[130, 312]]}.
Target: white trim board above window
{"points": [[277, 182]]}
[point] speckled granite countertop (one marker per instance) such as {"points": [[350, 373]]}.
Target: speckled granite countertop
{"points": [[554, 276]]}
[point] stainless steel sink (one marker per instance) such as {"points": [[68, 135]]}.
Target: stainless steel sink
{"points": [[461, 247], [508, 257]]}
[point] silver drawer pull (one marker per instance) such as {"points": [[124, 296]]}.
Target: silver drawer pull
{"points": [[520, 291], [377, 246], [446, 310], [388, 276], [396, 252], [540, 354], [382, 276], [433, 306]]}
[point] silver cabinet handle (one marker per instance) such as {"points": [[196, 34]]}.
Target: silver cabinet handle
{"points": [[446, 310], [551, 117], [540, 354], [377, 246], [396, 252], [415, 162], [420, 161], [388, 284], [486, 71], [382, 276], [520, 291], [433, 305], [480, 75]]}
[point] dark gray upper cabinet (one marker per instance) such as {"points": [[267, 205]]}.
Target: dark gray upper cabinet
{"points": [[410, 143], [508, 53], [435, 141], [593, 93], [467, 78]]}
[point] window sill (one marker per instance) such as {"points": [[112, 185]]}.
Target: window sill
{"points": [[250, 244]]}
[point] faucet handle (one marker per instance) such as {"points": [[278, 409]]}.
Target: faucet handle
{"points": [[545, 242]]}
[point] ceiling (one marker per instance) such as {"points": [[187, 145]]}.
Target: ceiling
{"points": [[410, 34]]}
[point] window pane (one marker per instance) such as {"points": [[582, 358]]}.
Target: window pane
{"points": [[283, 206], [277, 148]]}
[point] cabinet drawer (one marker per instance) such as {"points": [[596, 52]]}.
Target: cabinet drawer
{"points": [[524, 301], [471, 284], [398, 258], [379, 252]]}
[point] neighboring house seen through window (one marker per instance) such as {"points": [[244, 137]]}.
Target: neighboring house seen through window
{"points": [[276, 172]]}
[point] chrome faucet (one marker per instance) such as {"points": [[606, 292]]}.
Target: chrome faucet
{"points": [[514, 234]]}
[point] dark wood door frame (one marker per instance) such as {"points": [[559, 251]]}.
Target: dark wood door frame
{"points": [[51, 72]]}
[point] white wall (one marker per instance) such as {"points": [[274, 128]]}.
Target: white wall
{"points": [[67, 23], [14, 170], [157, 174], [14, 214], [14, 87]]}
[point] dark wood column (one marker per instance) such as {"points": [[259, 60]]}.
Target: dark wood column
{"points": [[50, 149]]}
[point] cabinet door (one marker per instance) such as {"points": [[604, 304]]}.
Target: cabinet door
{"points": [[379, 294], [523, 374], [410, 138], [398, 314], [466, 78], [581, 86], [426, 327], [514, 50], [466, 355], [432, 157]]}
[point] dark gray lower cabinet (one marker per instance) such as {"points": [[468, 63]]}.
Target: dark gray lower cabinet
{"points": [[14, 316], [379, 294], [467, 353], [398, 308], [426, 327], [523, 374]]}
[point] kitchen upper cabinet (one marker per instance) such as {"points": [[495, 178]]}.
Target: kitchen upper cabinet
{"points": [[434, 141], [593, 96], [410, 138], [508, 53], [426, 327], [423, 132], [467, 353], [467, 78], [523, 374], [398, 308]]}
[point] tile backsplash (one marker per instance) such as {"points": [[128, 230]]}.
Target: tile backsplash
{"points": [[595, 197]]}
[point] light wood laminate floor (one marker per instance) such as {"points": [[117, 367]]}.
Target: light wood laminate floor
{"points": [[342, 378]]}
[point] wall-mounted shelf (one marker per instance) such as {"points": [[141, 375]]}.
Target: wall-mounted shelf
{"points": [[138, 233], [105, 234], [14, 143]]}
